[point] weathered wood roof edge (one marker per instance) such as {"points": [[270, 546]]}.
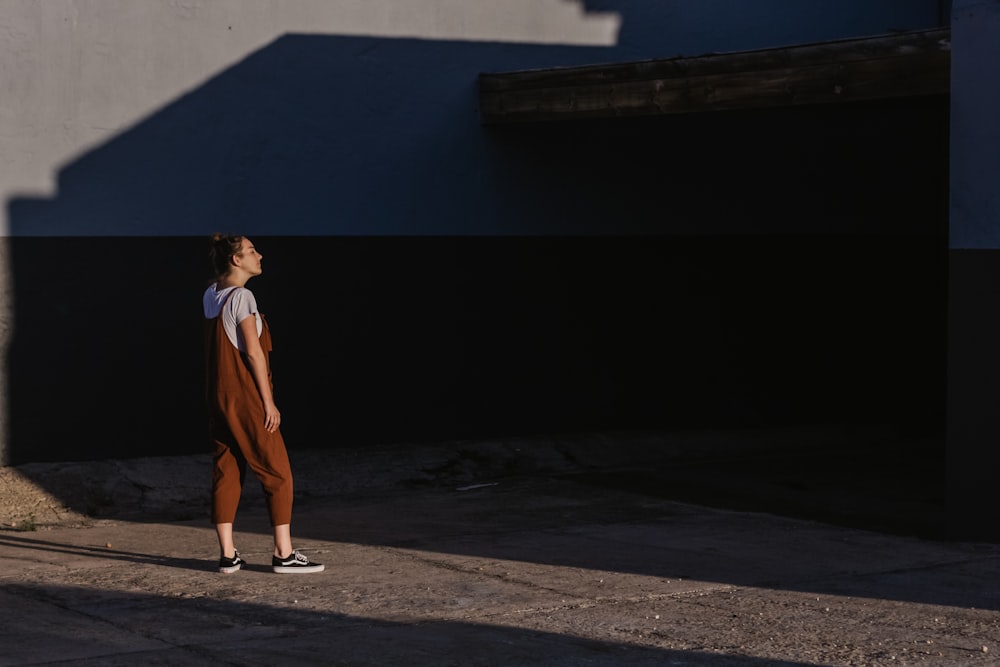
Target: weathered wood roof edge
{"points": [[893, 65]]}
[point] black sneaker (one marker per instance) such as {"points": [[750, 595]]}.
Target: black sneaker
{"points": [[230, 565], [293, 564]]}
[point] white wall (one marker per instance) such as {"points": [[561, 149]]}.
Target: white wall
{"points": [[78, 72]]}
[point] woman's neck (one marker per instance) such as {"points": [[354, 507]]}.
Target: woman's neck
{"points": [[229, 281]]}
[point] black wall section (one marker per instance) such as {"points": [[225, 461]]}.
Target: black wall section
{"points": [[974, 393], [404, 339]]}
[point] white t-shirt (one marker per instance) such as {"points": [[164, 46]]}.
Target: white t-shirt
{"points": [[241, 306]]}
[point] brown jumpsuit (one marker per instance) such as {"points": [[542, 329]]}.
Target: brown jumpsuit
{"points": [[236, 426]]}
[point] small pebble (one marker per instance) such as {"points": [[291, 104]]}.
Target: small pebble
{"points": [[107, 545]]}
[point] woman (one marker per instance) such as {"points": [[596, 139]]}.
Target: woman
{"points": [[243, 419]]}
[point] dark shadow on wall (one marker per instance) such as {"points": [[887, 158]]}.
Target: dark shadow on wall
{"points": [[726, 269], [696, 27]]}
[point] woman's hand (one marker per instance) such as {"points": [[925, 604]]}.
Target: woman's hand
{"points": [[272, 418]]}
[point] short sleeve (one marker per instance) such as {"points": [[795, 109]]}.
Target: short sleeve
{"points": [[242, 305]]}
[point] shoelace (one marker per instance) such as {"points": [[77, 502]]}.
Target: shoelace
{"points": [[295, 556]]}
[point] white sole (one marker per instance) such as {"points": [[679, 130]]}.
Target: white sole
{"points": [[307, 569]]}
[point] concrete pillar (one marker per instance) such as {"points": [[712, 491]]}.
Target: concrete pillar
{"points": [[973, 459]]}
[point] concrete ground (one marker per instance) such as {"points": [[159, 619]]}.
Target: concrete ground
{"points": [[516, 552]]}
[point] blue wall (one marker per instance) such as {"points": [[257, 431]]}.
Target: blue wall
{"points": [[975, 173]]}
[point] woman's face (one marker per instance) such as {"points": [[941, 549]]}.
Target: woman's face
{"points": [[249, 259]]}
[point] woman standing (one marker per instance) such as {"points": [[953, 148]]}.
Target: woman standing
{"points": [[243, 419]]}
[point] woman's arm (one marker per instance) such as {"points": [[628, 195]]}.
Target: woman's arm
{"points": [[258, 368]]}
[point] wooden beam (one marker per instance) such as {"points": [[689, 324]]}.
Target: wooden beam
{"points": [[886, 66]]}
